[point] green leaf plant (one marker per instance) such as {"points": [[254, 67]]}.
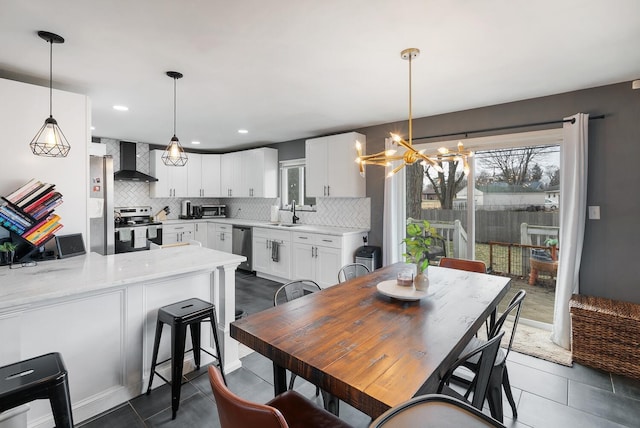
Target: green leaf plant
{"points": [[418, 241]]}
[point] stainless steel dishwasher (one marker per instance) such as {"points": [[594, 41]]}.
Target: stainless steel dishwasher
{"points": [[242, 245]]}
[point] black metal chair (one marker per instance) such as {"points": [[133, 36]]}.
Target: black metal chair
{"points": [[499, 377], [435, 411], [485, 355], [43, 377], [351, 271]]}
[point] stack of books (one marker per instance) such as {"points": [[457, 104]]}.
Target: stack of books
{"points": [[28, 211]]}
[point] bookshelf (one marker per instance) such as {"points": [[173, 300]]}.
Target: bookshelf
{"points": [[28, 214]]}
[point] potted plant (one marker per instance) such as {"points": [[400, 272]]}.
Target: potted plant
{"points": [[419, 239], [553, 243], [8, 249]]}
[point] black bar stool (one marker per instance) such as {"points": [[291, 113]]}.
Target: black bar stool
{"points": [[43, 377], [190, 312]]}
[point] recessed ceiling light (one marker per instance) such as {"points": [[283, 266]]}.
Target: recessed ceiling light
{"points": [[242, 131], [121, 108], [195, 142], [93, 128]]}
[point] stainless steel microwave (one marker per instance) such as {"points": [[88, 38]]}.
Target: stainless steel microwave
{"points": [[213, 211]]}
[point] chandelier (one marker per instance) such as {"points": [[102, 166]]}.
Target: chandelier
{"points": [[411, 155]]}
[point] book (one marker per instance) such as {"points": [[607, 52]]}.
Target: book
{"points": [[36, 226], [46, 209], [34, 189], [33, 234], [33, 206], [34, 195], [36, 236], [11, 225], [48, 235], [13, 214], [22, 190]]}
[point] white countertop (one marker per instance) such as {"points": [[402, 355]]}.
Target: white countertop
{"points": [[309, 228], [91, 272]]}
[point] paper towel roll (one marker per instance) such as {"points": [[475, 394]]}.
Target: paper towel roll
{"points": [[275, 213]]}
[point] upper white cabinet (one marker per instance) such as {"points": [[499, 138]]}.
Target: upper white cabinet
{"points": [[203, 175], [172, 180], [250, 173], [331, 170]]}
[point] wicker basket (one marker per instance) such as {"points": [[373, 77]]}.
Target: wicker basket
{"points": [[606, 334]]}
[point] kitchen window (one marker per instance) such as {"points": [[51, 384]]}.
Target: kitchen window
{"points": [[293, 185]]}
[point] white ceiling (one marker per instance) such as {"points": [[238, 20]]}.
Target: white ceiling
{"points": [[290, 69]]}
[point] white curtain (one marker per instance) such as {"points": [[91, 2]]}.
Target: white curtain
{"points": [[573, 209], [393, 228]]}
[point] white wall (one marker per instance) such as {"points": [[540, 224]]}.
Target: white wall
{"points": [[23, 110]]}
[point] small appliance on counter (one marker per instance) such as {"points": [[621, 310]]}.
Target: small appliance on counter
{"points": [[214, 211], [185, 212]]}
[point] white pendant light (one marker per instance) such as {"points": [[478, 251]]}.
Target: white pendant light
{"points": [[50, 141], [174, 154]]}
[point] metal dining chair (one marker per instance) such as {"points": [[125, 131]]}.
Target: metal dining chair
{"points": [[435, 411], [499, 376], [289, 409], [290, 291], [351, 271]]}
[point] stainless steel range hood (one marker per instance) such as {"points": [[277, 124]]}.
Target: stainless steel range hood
{"points": [[128, 171]]}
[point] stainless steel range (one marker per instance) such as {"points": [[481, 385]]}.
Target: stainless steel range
{"points": [[134, 229]]}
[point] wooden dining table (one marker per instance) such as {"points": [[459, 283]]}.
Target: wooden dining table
{"points": [[370, 350]]}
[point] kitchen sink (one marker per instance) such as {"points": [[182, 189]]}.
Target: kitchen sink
{"points": [[287, 225]]}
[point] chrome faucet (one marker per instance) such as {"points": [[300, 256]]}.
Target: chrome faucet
{"points": [[293, 210]]}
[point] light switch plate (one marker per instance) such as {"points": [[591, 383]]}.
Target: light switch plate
{"points": [[594, 212]]}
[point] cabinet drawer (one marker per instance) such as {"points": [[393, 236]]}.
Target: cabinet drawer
{"points": [[223, 227], [182, 227], [316, 239]]}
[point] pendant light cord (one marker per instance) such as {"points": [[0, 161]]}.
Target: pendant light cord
{"points": [[174, 106], [410, 103], [50, 77]]}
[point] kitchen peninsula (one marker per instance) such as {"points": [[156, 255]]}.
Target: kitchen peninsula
{"points": [[99, 312]]}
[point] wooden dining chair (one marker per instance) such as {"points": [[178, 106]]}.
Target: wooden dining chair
{"points": [[351, 271], [499, 377], [435, 411], [289, 409], [463, 264]]}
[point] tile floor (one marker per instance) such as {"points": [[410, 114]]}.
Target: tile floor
{"points": [[546, 394]]}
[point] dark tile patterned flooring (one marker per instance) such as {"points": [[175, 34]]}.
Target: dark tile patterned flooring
{"points": [[546, 394]]}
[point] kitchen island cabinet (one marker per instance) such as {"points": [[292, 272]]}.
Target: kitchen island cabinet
{"points": [[100, 313]]}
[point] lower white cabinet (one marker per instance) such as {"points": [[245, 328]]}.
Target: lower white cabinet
{"points": [[272, 253], [319, 257], [220, 236], [179, 232], [200, 233]]}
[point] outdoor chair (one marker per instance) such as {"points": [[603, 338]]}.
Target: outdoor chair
{"points": [[499, 377], [351, 271], [435, 411], [288, 409]]}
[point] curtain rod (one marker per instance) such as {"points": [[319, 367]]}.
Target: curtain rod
{"points": [[501, 128]]}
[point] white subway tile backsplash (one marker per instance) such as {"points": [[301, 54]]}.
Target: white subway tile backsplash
{"points": [[339, 212]]}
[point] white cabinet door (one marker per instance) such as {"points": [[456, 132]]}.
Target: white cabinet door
{"points": [[316, 166], [212, 239], [210, 176], [328, 263], [172, 180], [261, 172], [330, 167], [303, 263], [231, 179], [179, 232], [220, 236], [194, 175], [261, 251], [200, 233]]}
